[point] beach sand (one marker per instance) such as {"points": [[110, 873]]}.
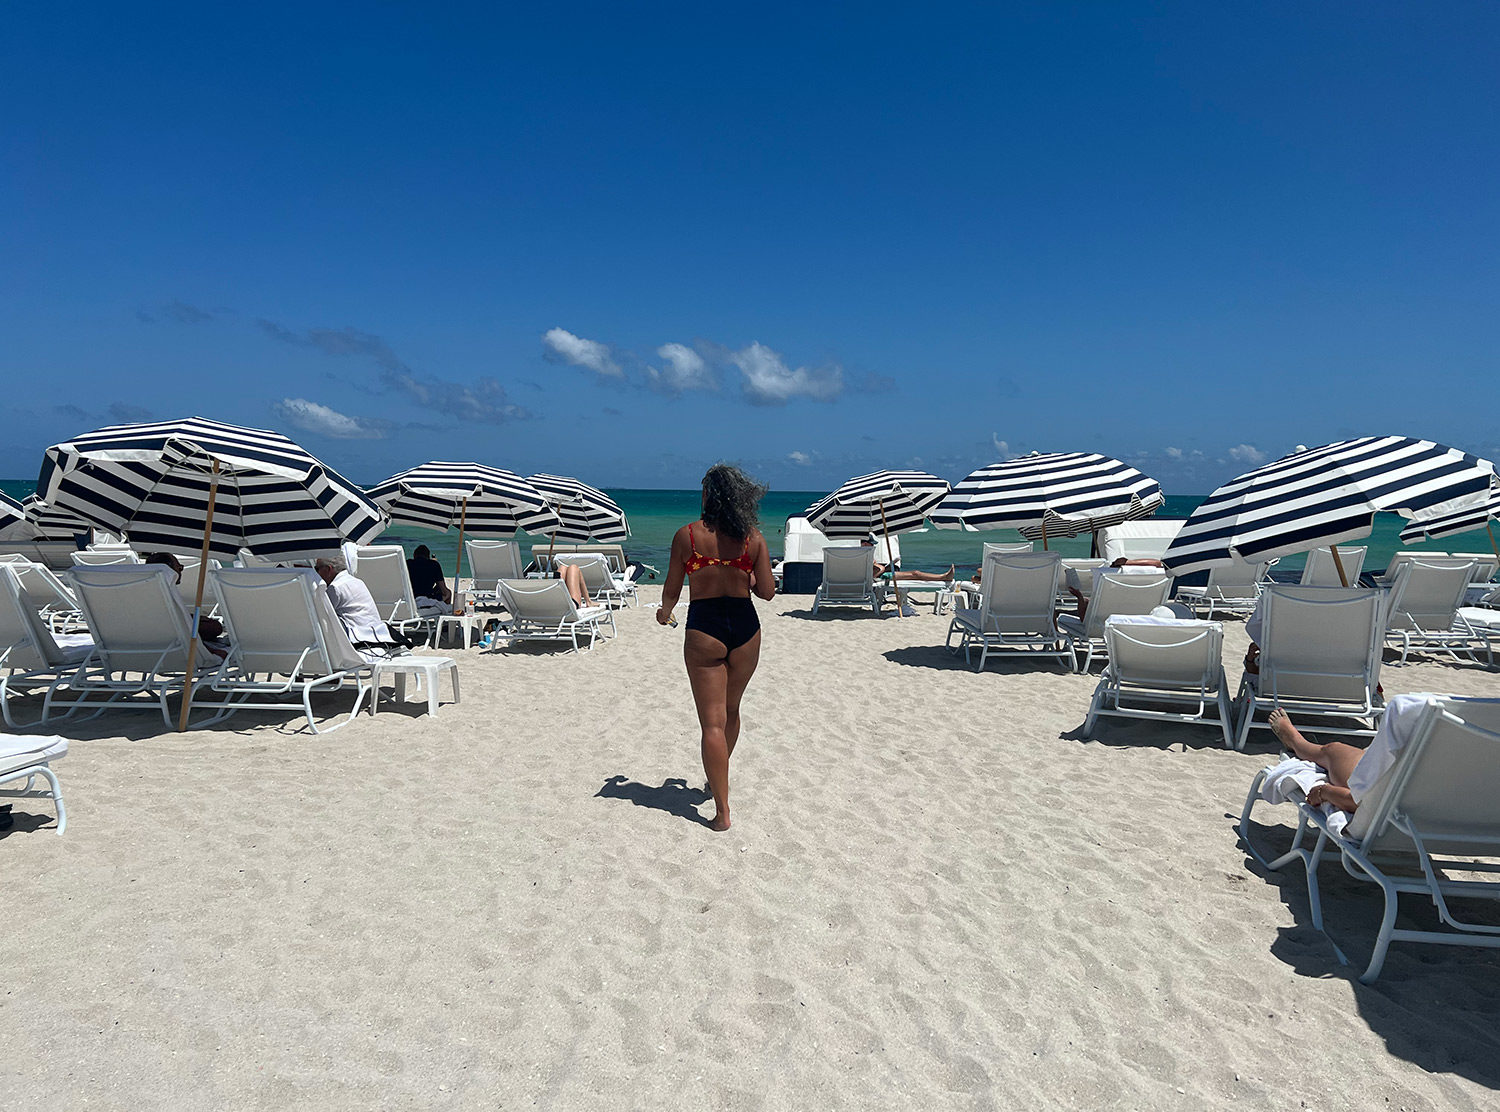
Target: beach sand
{"points": [[934, 895]]}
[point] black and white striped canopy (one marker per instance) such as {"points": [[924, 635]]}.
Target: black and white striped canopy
{"points": [[51, 522], [1325, 496], [1066, 492], [887, 501], [1454, 522], [584, 512], [491, 501], [13, 523], [151, 481]]}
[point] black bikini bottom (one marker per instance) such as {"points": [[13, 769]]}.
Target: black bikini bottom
{"points": [[732, 621]]}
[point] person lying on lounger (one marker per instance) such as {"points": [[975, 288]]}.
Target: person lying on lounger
{"points": [[1335, 758], [910, 576]]}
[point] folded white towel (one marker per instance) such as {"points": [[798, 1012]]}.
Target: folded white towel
{"points": [[1291, 780]]}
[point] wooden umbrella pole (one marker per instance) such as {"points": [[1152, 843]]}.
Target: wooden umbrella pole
{"points": [[1338, 562], [1044, 532], [192, 652], [1490, 529], [458, 561]]}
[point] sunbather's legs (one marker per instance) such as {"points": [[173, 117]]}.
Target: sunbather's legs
{"points": [[1335, 757], [573, 579], [741, 664], [928, 576]]}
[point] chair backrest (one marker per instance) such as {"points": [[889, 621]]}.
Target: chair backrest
{"points": [[382, 569], [1172, 655], [40, 587], [1321, 571], [1078, 573], [887, 549], [492, 561], [187, 586], [281, 620], [541, 601], [1237, 581], [614, 553], [1000, 547], [22, 630], [1445, 782], [135, 617], [1139, 540], [1019, 591], [848, 572], [57, 555], [595, 569], [1428, 595], [98, 558], [1321, 643], [1485, 564], [1125, 593]]}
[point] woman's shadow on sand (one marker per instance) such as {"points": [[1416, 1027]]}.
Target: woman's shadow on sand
{"points": [[674, 796]]}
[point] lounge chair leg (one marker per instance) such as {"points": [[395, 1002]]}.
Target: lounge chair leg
{"points": [[1383, 939]]}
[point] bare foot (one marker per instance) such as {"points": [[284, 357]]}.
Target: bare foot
{"points": [[1286, 733], [719, 822]]}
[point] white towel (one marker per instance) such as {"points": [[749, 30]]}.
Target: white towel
{"points": [[1291, 780]]}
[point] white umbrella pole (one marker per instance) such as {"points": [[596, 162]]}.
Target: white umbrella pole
{"points": [[886, 529], [1338, 562], [458, 561], [192, 653]]}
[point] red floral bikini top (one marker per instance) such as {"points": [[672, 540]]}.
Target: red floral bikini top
{"points": [[697, 561]]}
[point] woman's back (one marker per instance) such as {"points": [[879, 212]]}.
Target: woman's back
{"points": [[718, 565]]}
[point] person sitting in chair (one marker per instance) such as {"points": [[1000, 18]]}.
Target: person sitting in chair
{"points": [[210, 630], [356, 608], [428, 583]]}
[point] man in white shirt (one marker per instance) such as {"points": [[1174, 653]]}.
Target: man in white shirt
{"points": [[353, 603]]}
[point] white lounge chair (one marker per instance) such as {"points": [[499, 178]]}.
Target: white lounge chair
{"points": [[285, 640], [599, 581], [49, 596], [1005, 548], [1015, 611], [25, 758], [104, 557], [1319, 656], [141, 642], [1231, 589], [490, 562], [1321, 571], [1115, 593], [1426, 609], [1078, 575], [382, 569], [32, 657], [1426, 818], [848, 579], [1160, 663], [542, 610]]}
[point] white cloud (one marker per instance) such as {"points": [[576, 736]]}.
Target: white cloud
{"points": [[1174, 453], [1000, 446], [802, 459], [319, 419], [768, 380], [685, 370], [1247, 453], [589, 354]]}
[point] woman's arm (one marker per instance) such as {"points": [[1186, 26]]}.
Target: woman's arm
{"points": [[765, 582], [671, 590]]}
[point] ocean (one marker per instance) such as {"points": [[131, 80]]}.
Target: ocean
{"points": [[655, 515]]}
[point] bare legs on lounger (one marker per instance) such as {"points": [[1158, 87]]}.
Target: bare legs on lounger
{"points": [[1335, 758]]}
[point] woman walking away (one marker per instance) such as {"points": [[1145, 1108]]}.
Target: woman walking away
{"points": [[727, 558]]}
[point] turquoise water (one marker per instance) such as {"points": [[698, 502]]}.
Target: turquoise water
{"points": [[656, 514]]}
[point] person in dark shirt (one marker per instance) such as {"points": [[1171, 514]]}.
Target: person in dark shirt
{"points": [[427, 579]]}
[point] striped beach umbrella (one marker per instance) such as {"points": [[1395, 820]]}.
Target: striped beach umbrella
{"points": [[480, 500], [52, 522], [584, 512], [203, 486], [1321, 497], [1052, 494], [13, 523], [885, 502]]}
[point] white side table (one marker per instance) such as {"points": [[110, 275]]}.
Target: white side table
{"points": [[465, 622], [427, 669]]}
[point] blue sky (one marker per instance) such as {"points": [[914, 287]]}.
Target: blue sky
{"points": [[622, 241]]}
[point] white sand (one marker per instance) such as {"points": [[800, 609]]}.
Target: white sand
{"points": [[933, 896]]}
